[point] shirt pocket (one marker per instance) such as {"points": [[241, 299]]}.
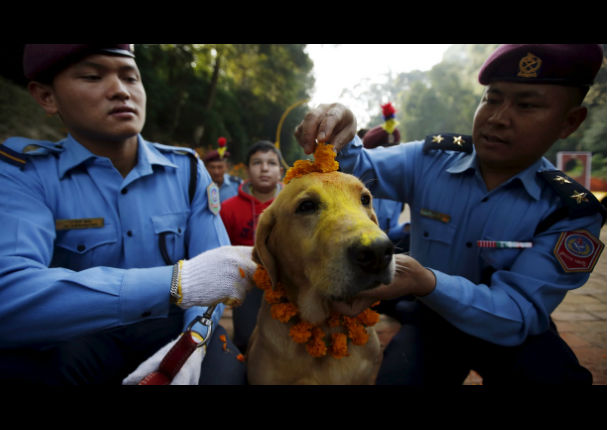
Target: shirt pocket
{"points": [[170, 231], [499, 258], [435, 233], [79, 249]]}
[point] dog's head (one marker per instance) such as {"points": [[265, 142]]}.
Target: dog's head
{"points": [[320, 238]]}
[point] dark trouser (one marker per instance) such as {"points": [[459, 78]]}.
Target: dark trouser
{"points": [[429, 351], [245, 317], [109, 356]]}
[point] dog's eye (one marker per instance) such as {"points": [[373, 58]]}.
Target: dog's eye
{"points": [[365, 199], [307, 206]]}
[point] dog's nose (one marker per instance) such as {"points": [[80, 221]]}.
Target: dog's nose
{"points": [[374, 257]]}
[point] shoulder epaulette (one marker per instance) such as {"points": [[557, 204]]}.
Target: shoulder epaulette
{"points": [[449, 142], [577, 200], [184, 150], [17, 150]]}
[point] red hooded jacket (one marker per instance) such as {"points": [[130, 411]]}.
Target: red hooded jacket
{"points": [[240, 214]]}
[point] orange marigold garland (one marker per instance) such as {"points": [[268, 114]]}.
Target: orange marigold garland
{"points": [[324, 162], [312, 336]]}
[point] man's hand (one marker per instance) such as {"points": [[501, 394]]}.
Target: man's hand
{"points": [[334, 124], [410, 278], [220, 275]]}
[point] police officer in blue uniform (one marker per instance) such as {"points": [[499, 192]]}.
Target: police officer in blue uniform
{"points": [[217, 166], [112, 245], [498, 235], [388, 211]]}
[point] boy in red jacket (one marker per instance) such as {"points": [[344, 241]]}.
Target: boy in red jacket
{"points": [[240, 214]]}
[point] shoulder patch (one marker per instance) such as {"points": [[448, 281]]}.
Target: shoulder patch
{"points": [[576, 199], [213, 198], [578, 251], [449, 142]]}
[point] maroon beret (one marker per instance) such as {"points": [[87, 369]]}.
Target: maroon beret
{"points": [[569, 64], [377, 136], [45, 60], [213, 155]]}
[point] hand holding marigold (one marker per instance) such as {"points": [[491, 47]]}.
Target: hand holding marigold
{"points": [[333, 123]]}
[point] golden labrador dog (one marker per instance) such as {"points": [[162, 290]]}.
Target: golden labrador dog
{"points": [[320, 240]]}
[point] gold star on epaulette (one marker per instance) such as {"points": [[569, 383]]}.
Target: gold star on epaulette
{"points": [[438, 139], [579, 197], [458, 140], [561, 180]]}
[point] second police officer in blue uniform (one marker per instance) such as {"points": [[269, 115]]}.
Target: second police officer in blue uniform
{"points": [[112, 246], [498, 235]]}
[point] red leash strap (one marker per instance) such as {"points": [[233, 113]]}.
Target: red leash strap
{"points": [[172, 362], [180, 352]]}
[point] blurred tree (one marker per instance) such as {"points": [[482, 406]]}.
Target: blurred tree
{"points": [[197, 93]]}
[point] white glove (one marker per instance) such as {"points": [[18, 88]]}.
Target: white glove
{"points": [[220, 275], [189, 374]]}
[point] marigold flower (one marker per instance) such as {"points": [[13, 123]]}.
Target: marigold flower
{"points": [[368, 317], [339, 345], [240, 358], [316, 347], [273, 296], [283, 312], [262, 278], [301, 332], [324, 161], [223, 338]]}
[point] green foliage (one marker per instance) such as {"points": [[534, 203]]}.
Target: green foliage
{"points": [[198, 93]]}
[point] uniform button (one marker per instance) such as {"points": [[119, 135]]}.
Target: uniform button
{"points": [[124, 191], [81, 247], [486, 199], [129, 233], [146, 314], [426, 234], [469, 244]]}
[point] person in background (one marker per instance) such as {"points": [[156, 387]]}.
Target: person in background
{"points": [[240, 215], [113, 246], [388, 211], [216, 162], [498, 235]]}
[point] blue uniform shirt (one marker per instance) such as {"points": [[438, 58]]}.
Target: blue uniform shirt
{"points": [[229, 188], [388, 212], [450, 210], [79, 249]]}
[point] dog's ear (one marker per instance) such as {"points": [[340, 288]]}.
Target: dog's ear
{"points": [[261, 252]]}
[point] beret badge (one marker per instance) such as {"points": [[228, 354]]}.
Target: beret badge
{"points": [[529, 66]]}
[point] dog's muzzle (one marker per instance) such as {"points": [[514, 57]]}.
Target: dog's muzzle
{"points": [[372, 258]]}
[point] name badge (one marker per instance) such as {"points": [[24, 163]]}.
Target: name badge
{"points": [[435, 215], [213, 195], [80, 223]]}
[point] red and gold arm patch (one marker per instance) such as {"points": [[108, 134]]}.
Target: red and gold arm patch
{"points": [[578, 251]]}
